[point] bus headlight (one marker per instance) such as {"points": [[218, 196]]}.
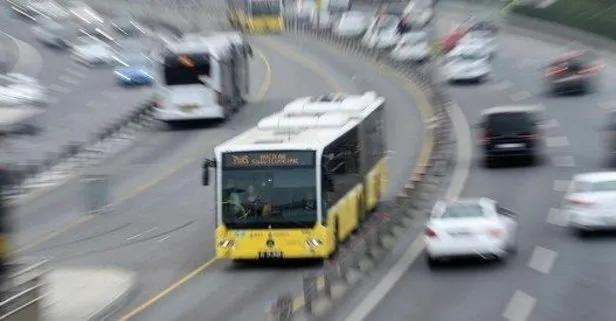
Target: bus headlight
{"points": [[226, 244], [312, 243]]}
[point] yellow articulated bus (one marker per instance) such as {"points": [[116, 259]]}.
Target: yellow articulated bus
{"points": [[256, 15], [302, 180]]}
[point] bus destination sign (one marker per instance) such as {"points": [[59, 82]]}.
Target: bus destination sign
{"points": [[268, 159]]}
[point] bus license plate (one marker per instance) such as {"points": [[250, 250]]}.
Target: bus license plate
{"points": [[270, 255]]}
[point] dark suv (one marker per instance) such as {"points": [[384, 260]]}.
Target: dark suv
{"points": [[511, 131], [573, 72]]}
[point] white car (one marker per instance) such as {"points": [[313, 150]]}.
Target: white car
{"points": [[351, 24], [49, 9], [465, 64], [322, 20], [92, 52], [412, 46], [382, 33], [470, 228], [482, 42], [19, 89], [54, 34], [303, 9], [590, 201], [84, 13]]}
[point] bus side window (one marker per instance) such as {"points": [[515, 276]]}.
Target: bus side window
{"points": [[341, 159]]}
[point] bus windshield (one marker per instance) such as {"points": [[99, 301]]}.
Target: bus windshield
{"points": [[260, 196], [186, 69], [265, 8]]}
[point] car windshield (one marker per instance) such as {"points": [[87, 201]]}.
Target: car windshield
{"points": [[466, 57], [600, 186], [386, 23], [86, 41], [462, 210], [509, 122], [265, 7]]}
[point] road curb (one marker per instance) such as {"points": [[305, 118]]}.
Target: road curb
{"points": [[122, 300]]}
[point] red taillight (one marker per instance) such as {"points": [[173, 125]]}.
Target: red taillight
{"points": [[484, 138], [555, 71], [156, 103], [495, 232], [579, 203], [430, 233], [590, 70]]}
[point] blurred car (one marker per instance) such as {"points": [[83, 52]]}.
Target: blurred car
{"points": [[33, 9], [321, 20], [510, 131], [589, 202], [466, 64], [19, 89], [419, 14], [470, 228], [134, 70], [382, 32], [572, 72], [92, 51], [455, 34], [483, 24], [303, 9], [54, 34], [351, 24], [126, 25], [480, 42], [84, 14], [412, 46]]}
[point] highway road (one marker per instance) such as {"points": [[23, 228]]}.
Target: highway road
{"points": [[82, 100], [162, 225], [556, 275]]}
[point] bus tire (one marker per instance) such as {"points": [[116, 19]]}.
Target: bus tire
{"points": [[336, 239]]}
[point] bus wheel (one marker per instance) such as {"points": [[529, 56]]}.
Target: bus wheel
{"points": [[336, 239]]}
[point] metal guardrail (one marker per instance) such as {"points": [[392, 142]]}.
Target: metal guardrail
{"points": [[23, 291], [378, 234]]}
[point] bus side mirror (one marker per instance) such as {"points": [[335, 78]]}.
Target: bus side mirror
{"points": [[205, 178]]}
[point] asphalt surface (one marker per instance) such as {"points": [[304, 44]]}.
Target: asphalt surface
{"points": [[555, 275], [82, 100], [164, 228]]}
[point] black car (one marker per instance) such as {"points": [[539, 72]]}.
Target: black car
{"points": [[484, 25], [573, 72], [511, 131]]}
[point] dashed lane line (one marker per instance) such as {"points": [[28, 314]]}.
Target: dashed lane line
{"points": [[559, 141], [520, 95], [561, 185], [519, 307], [542, 259], [563, 161], [550, 124], [557, 217]]}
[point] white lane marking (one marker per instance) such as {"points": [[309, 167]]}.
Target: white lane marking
{"points": [[557, 217], [61, 89], [75, 73], [163, 239], [503, 85], [460, 174], [549, 124], [563, 161], [561, 185], [542, 259], [69, 80], [29, 60], [519, 96], [559, 141], [142, 233], [519, 307]]}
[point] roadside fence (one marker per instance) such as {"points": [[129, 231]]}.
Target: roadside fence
{"points": [[378, 235]]}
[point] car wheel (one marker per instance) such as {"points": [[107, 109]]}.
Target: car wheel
{"points": [[431, 262], [582, 233], [488, 162]]}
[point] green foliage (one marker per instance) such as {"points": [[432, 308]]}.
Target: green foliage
{"points": [[594, 16]]}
